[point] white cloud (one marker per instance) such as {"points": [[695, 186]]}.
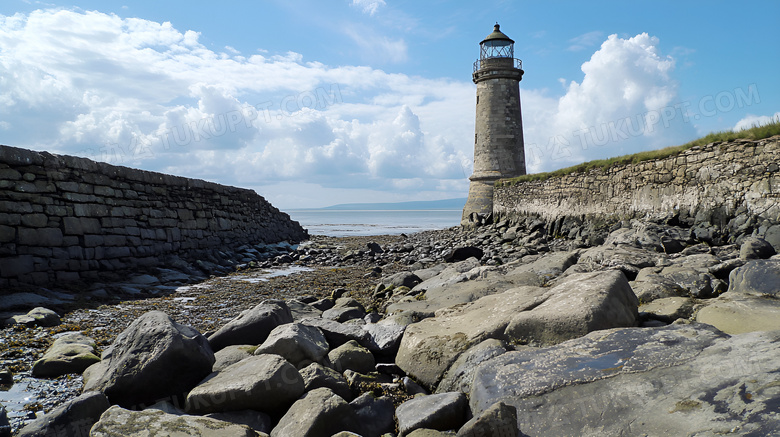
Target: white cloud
{"points": [[369, 6], [140, 93], [624, 103], [751, 120]]}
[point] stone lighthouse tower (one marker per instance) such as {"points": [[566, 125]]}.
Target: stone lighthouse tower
{"points": [[498, 140]]}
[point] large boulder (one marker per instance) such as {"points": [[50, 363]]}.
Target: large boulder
{"points": [[576, 306], [266, 383], [579, 304], [429, 347], [318, 413], [674, 380], [154, 358], [299, 344], [443, 412], [757, 278], [253, 325], [73, 352], [117, 421], [74, 417], [755, 248]]}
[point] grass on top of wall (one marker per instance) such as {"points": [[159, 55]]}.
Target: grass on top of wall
{"points": [[756, 132]]}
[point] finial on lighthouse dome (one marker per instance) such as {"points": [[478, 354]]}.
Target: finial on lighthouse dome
{"points": [[497, 37]]}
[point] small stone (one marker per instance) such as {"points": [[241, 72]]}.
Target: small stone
{"points": [[756, 248], [77, 414], [44, 317], [71, 353], [376, 414], [316, 375], [498, 420], [352, 356]]}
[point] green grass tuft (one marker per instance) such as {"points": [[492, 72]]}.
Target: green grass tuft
{"points": [[756, 132]]}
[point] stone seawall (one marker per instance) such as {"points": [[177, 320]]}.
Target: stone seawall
{"points": [[725, 190], [64, 218]]}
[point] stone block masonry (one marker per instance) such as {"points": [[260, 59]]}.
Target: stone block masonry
{"points": [[64, 218], [731, 187]]}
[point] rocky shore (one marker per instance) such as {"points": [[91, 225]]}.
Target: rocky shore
{"points": [[627, 328]]}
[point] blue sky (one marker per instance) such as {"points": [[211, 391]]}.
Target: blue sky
{"points": [[314, 103]]}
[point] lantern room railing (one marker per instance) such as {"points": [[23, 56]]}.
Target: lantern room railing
{"points": [[499, 62]]}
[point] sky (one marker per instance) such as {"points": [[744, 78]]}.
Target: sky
{"points": [[313, 103]]}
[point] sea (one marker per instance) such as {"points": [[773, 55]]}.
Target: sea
{"points": [[345, 223]]}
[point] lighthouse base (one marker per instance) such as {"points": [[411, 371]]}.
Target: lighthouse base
{"points": [[479, 205]]}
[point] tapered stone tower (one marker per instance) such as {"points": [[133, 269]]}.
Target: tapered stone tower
{"points": [[498, 140]]}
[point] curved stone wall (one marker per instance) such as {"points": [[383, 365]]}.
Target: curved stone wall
{"points": [[733, 187], [64, 218]]}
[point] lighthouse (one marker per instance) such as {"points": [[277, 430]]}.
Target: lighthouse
{"points": [[498, 139]]}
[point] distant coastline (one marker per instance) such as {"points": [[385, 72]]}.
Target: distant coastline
{"points": [[423, 205]]}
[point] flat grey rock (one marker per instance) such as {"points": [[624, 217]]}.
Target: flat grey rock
{"points": [[738, 313], [697, 379]]}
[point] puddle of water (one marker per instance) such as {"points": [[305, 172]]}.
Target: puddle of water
{"points": [[604, 363], [15, 398], [266, 274]]}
